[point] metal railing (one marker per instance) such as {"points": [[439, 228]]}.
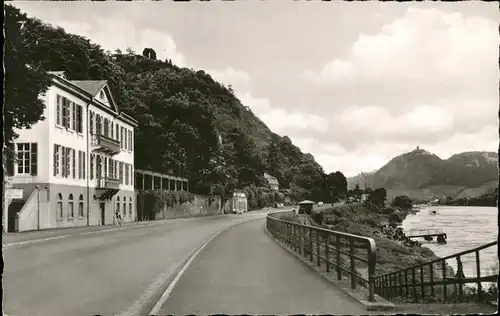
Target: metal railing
{"points": [[425, 232], [108, 183], [436, 278], [329, 249], [106, 143]]}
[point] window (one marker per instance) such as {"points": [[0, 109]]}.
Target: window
{"points": [[73, 158], [120, 172], [27, 155], [92, 159], [98, 126], [65, 112], [58, 110], [59, 210], [66, 161], [130, 207], [112, 125], [124, 206], [126, 140], [101, 95], [71, 210], [80, 206], [98, 167], [106, 127], [117, 134], [118, 204], [91, 125], [79, 118], [111, 168], [131, 175], [122, 138], [57, 155], [73, 117]]}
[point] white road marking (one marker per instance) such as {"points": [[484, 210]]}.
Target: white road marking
{"points": [[170, 288]]}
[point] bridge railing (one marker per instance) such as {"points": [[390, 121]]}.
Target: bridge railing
{"points": [[346, 253], [435, 281]]}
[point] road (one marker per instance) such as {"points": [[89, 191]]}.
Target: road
{"points": [[243, 271], [109, 272]]}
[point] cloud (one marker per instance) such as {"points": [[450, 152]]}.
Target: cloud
{"points": [[125, 35], [238, 79], [424, 44], [279, 120], [427, 78]]}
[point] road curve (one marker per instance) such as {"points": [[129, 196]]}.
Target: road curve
{"points": [[113, 272], [243, 271]]}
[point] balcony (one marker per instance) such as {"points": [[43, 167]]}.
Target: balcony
{"points": [[105, 144], [108, 183]]}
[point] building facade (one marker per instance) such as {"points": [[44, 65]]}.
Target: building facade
{"points": [[272, 181], [77, 163]]}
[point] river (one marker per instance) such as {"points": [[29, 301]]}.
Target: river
{"points": [[466, 228]]}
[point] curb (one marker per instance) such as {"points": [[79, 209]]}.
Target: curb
{"points": [[380, 305], [110, 228]]}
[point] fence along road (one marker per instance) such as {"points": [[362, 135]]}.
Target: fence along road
{"points": [[244, 271]]}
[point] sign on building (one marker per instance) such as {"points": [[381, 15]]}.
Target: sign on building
{"points": [[14, 194]]}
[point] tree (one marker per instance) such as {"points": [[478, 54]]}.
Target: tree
{"points": [[403, 202], [376, 199], [24, 83]]}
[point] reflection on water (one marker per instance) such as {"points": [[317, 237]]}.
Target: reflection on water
{"points": [[467, 228]]}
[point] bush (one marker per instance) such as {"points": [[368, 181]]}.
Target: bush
{"points": [[318, 218], [394, 217]]}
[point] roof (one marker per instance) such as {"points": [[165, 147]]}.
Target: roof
{"points": [[306, 202], [90, 86]]}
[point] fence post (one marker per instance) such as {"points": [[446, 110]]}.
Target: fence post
{"points": [[337, 247], [445, 286], [327, 251], [478, 272], [318, 244], [353, 264], [311, 249]]}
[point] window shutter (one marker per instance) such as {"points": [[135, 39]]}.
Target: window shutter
{"points": [[10, 159], [58, 110], [54, 162], [33, 160], [84, 172], [73, 158]]}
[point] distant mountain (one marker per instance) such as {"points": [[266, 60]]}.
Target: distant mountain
{"points": [[361, 179], [423, 175]]}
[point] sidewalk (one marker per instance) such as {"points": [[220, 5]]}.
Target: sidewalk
{"points": [[243, 271], [8, 238]]}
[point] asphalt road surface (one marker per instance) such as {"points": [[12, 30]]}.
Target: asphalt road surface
{"points": [[122, 271], [243, 271]]}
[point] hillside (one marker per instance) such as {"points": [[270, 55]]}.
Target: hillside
{"points": [[183, 114], [361, 179], [423, 175]]}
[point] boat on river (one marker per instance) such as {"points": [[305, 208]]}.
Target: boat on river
{"points": [[433, 212]]}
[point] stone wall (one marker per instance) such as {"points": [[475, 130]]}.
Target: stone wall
{"points": [[201, 206]]}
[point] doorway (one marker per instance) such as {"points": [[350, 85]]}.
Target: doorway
{"points": [[103, 212]]}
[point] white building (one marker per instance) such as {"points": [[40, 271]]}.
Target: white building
{"points": [[272, 181], [76, 166]]}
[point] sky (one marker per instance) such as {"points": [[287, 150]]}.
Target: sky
{"points": [[353, 83]]}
